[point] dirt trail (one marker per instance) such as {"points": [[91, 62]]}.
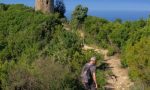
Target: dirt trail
{"points": [[120, 79]]}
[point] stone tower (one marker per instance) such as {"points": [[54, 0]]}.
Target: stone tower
{"points": [[46, 6]]}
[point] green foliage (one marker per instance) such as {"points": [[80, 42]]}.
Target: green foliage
{"points": [[111, 51], [25, 36], [118, 20], [22, 30], [78, 16], [3, 7], [64, 45], [119, 37], [124, 63], [54, 76], [36, 53], [60, 7], [42, 74], [96, 31], [137, 58], [80, 13], [101, 80], [131, 39], [139, 85], [35, 49]]}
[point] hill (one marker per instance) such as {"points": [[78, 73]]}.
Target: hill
{"points": [[37, 52]]}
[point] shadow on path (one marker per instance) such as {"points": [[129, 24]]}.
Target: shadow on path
{"points": [[104, 67]]}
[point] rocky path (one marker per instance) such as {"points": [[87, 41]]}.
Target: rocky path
{"points": [[120, 79]]}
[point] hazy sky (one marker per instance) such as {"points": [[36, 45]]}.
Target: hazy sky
{"points": [[98, 5]]}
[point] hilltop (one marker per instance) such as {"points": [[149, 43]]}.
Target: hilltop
{"points": [[45, 51]]}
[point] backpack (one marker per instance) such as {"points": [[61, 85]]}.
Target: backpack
{"points": [[86, 75]]}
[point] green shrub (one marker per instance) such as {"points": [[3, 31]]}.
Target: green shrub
{"points": [[53, 76], [137, 59], [101, 80], [42, 74], [26, 36], [111, 51], [124, 63], [3, 7]]}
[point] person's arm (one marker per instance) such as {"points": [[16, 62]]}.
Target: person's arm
{"points": [[94, 78]]}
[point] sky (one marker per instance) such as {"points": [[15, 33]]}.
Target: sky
{"points": [[109, 9], [98, 5]]}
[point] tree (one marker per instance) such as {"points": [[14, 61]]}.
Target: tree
{"points": [[118, 20], [78, 16], [3, 7], [60, 7], [80, 13]]}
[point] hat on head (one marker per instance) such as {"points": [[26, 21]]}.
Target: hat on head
{"points": [[93, 59]]}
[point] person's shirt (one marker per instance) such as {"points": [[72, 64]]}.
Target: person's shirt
{"points": [[93, 69], [90, 68]]}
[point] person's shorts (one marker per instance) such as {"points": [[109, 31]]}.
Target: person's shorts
{"points": [[88, 86]]}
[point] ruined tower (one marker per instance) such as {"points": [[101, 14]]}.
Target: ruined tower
{"points": [[46, 6]]}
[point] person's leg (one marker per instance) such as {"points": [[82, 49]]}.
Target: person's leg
{"points": [[93, 86], [86, 86]]}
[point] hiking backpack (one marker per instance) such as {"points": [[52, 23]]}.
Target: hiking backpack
{"points": [[86, 73]]}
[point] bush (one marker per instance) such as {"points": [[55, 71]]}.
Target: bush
{"points": [[3, 7], [111, 51], [19, 33], [137, 59], [53, 76], [78, 16], [124, 63], [27, 36], [80, 13], [43, 74], [60, 7], [94, 31]]}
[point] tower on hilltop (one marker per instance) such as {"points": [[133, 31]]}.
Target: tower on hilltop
{"points": [[46, 6]]}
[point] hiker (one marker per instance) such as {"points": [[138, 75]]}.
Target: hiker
{"points": [[88, 75]]}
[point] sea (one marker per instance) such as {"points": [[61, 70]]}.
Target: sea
{"points": [[109, 15], [113, 15]]}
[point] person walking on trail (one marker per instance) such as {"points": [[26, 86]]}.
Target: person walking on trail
{"points": [[88, 75]]}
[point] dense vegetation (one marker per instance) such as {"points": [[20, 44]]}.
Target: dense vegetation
{"points": [[60, 8], [37, 53], [130, 38]]}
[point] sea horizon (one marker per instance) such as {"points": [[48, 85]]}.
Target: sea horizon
{"points": [[113, 15], [109, 14]]}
